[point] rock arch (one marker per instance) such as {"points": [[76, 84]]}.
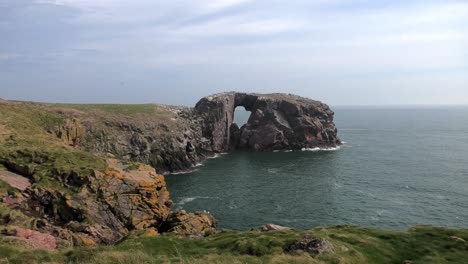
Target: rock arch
{"points": [[277, 121]]}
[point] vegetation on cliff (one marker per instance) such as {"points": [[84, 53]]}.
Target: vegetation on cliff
{"points": [[55, 192], [73, 182], [420, 244]]}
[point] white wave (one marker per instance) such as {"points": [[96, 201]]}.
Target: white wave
{"points": [[183, 172], [310, 149], [186, 200], [198, 165], [272, 170], [288, 150], [191, 199], [217, 155], [321, 149]]}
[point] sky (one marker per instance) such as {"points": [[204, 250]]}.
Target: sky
{"points": [[342, 52]]}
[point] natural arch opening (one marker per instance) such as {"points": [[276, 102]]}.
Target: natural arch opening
{"points": [[241, 116]]}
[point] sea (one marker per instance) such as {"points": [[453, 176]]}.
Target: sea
{"points": [[398, 167]]}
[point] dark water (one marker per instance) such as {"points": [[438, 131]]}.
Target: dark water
{"points": [[398, 168]]}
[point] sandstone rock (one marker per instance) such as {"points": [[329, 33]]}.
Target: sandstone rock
{"points": [[198, 224], [15, 180], [109, 205], [151, 232], [71, 133], [309, 244], [278, 121], [33, 238]]}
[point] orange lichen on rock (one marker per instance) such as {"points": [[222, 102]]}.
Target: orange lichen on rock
{"points": [[151, 232]]}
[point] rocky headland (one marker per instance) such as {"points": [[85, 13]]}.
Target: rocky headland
{"points": [[86, 176], [91, 174]]}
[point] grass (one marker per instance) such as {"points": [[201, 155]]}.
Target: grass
{"points": [[30, 150], [49, 166], [28, 120], [127, 109], [421, 244]]}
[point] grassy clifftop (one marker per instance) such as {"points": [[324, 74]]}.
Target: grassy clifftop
{"points": [[421, 244]]}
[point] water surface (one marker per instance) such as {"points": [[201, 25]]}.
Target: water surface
{"points": [[398, 168]]}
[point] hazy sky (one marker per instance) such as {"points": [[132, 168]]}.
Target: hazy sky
{"points": [[344, 52]]}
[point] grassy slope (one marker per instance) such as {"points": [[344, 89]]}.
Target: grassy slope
{"points": [[26, 142], [23, 137], [352, 245]]}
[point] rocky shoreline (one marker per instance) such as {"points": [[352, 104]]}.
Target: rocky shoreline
{"points": [[86, 174]]}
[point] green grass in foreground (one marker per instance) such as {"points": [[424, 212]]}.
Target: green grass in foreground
{"points": [[420, 244]]}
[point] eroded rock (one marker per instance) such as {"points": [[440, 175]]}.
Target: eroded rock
{"points": [[278, 121], [309, 244], [71, 133], [198, 224], [33, 238]]}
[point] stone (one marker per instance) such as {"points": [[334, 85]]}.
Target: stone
{"points": [[151, 232], [71, 133], [457, 239], [271, 227], [310, 245], [277, 122], [34, 238], [197, 224], [15, 180], [109, 205]]}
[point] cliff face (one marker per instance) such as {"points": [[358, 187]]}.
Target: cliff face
{"points": [[166, 137], [85, 174], [54, 191], [175, 138], [278, 121]]}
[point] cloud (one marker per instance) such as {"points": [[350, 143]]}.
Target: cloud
{"points": [[268, 40]]}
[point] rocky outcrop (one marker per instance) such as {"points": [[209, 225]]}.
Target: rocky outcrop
{"points": [[309, 244], [198, 224], [278, 121], [32, 238], [71, 132], [270, 228], [104, 209]]}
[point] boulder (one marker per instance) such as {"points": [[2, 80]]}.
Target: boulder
{"points": [[33, 238], [271, 227], [310, 245], [198, 224]]}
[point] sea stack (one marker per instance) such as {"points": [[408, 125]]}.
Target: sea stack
{"points": [[277, 122]]}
